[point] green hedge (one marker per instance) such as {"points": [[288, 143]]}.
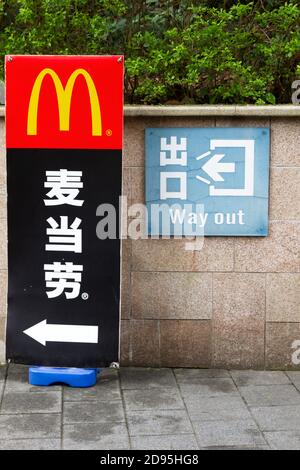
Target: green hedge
{"points": [[177, 51]]}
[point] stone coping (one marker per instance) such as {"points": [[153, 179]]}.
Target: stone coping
{"points": [[288, 110], [212, 110]]}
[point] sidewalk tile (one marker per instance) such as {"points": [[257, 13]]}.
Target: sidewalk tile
{"points": [[259, 377], [30, 444], [209, 388], [194, 376], [270, 395], [2, 373], [283, 440], [216, 408], [277, 418], [89, 412], [23, 403], [153, 399], [17, 381], [143, 378], [229, 433], [177, 442], [143, 423], [107, 389], [34, 425], [294, 377], [92, 436]]}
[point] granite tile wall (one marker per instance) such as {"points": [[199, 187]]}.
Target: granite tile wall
{"points": [[236, 302]]}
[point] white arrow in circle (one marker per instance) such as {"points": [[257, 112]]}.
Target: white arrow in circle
{"points": [[43, 332], [213, 167]]}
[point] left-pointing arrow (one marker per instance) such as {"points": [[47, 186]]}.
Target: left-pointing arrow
{"points": [[213, 167], [44, 332]]}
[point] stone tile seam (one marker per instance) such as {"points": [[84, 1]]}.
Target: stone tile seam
{"points": [[3, 387], [62, 419], [215, 272], [191, 319], [285, 220], [288, 167], [171, 318], [123, 406], [30, 413], [163, 434], [273, 406], [213, 348], [186, 409], [44, 413], [265, 317], [33, 392], [29, 439], [159, 341], [91, 400], [248, 408], [109, 420]]}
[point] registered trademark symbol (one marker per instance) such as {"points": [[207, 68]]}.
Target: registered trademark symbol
{"points": [[85, 296], [108, 132]]}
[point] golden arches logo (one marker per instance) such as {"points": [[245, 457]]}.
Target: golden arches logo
{"points": [[64, 97]]}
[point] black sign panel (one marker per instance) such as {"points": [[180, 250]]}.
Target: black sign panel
{"points": [[63, 301]]}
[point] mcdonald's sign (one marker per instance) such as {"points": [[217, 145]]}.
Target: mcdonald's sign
{"points": [[64, 134], [64, 97], [64, 102]]}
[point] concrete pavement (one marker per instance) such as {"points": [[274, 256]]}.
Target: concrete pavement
{"points": [[137, 408]]}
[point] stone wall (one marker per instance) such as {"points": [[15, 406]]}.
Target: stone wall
{"points": [[235, 303]]}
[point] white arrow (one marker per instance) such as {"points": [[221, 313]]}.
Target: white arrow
{"points": [[43, 332], [213, 167]]}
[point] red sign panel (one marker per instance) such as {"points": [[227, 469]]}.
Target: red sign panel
{"points": [[64, 102]]}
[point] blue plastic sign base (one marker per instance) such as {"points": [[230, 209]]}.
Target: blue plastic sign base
{"points": [[74, 377]]}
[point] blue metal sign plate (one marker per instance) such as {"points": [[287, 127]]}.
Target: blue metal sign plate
{"points": [[207, 181]]}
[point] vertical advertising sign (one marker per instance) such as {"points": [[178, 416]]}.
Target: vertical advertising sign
{"points": [[64, 133]]}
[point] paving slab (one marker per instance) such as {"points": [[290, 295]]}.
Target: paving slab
{"points": [[277, 418], [143, 378], [169, 442], [95, 436], [89, 412], [195, 376], [17, 381], [31, 444], [239, 447], [270, 395], [159, 408], [143, 423], [153, 399], [22, 403], [241, 433], [294, 377], [34, 425], [106, 389], [216, 408], [259, 377], [283, 440], [209, 388], [1, 389], [2, 373]]}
